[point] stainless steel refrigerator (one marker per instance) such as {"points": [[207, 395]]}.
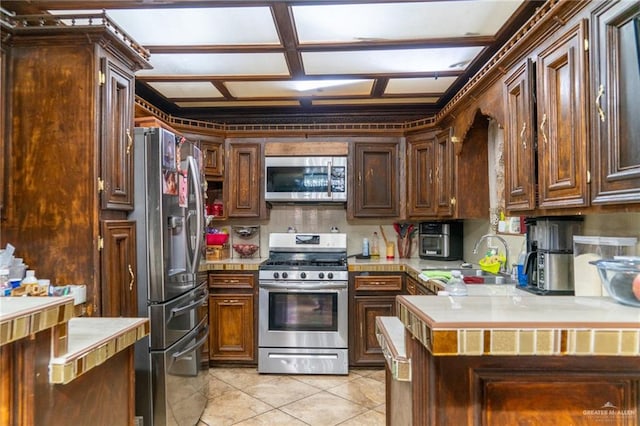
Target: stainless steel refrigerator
{"points": [[171, 383]]}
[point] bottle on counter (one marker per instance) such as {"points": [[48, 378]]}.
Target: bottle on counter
{"points": [[375, 246], [29, 278], [365, 247], [456, 285], [5, 286]]}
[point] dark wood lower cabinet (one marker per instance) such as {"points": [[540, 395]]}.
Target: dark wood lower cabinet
{"points": [[231, 331], [365, 349], [523, 390]]}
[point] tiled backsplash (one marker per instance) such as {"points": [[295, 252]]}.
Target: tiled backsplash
{"points": [[320, 218]]}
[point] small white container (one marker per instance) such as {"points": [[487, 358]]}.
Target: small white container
{"points": [[586, 281], [30, 278]]}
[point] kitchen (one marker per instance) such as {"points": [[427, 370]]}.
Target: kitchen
{"points": [[607, 205]]}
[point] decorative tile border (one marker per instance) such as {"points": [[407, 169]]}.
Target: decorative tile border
{"points": [[394, 352], [521, 341], [20, 326]]}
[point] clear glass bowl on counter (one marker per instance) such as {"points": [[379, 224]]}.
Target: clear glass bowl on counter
{"points": [[621, 278]]}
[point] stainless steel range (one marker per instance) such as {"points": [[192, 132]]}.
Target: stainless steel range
{"points": [[303, 304]]}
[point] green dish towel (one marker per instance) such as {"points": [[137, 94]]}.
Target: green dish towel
{"points": [[436, 275]]}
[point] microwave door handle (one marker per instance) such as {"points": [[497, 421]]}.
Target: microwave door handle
{"points": [[329, 180]]}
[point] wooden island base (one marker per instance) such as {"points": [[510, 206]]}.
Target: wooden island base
{"points": [[524, 390]]}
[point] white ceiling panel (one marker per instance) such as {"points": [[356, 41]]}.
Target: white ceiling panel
{"points": [[228, 64], [248, 89], [204, 104], [400, 21], [186, 89], [388, 61], [377, 101], [198, 26], [252, 54], [419, 85]]}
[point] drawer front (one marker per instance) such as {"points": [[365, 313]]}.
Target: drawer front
{"points": [[411, 287], [378, 283], [231, 280]]}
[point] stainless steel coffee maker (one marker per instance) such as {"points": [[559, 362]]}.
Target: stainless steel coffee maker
{"points": [[549, 261]]}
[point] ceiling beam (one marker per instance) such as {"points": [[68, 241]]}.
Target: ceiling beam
{"points": [[287, 33]]}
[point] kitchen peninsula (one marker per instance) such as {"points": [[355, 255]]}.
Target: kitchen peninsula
{"points": [[60, 370], [522, 360]]}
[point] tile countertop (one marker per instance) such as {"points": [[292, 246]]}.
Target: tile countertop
{"points": [[92, 341], [89, 341], [515, 325], [392, 265], [22, 316]]}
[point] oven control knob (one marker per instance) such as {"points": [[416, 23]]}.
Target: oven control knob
{"points": [[285, 275], [276, 275], [321, 275], [303, 275], [330, 275]]}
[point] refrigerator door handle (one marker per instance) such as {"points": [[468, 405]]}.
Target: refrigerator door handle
{"points": [[193, 347], [193, 170], [181, 310]]}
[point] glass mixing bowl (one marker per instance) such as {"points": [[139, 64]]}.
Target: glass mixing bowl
{"points": [[621, 278]]}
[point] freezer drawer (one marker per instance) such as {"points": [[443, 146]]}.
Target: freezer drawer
{"points": [[180, 380], [171, 320]]}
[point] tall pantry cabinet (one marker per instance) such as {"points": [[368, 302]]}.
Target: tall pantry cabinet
{"points": [[69, 162]]}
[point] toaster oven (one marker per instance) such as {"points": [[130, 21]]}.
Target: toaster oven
{"points": [[440, 240]]}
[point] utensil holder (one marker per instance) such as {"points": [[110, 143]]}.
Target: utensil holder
{"points": [[404, 247]]}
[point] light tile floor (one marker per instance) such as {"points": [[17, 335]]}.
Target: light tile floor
{"points": [[241, 396]]}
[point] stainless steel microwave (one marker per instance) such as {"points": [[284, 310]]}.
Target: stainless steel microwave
{"points": [[305, 179]]}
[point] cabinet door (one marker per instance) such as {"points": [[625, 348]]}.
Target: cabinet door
{"points": [[519, 146], [117, 136], [376, 180], [365, 349], [616, 111], [420, 176], [231, 330], [213, 154], [562, 124], [444, 174], [244, 169], [118, 258]]}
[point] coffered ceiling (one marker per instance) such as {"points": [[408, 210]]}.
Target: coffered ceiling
{"points": [[305, 61]]}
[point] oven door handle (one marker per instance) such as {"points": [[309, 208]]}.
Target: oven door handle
{"points": [[299, 286]]}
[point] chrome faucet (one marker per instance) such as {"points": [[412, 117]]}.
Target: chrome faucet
{"points": [[503, 268]]}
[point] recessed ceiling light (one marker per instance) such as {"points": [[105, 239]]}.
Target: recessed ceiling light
{"points": [[318, 85]]}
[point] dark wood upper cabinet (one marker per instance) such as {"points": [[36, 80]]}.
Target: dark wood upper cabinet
{"points": [[520, 142], [562, 120], [213, 155], [420, 175], [615, 90], [430, 175], [375, 179], [244, 180], [117, 132], [445, 176]]}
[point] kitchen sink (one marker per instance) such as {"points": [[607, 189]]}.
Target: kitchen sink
{"points": [[488, 277]]}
